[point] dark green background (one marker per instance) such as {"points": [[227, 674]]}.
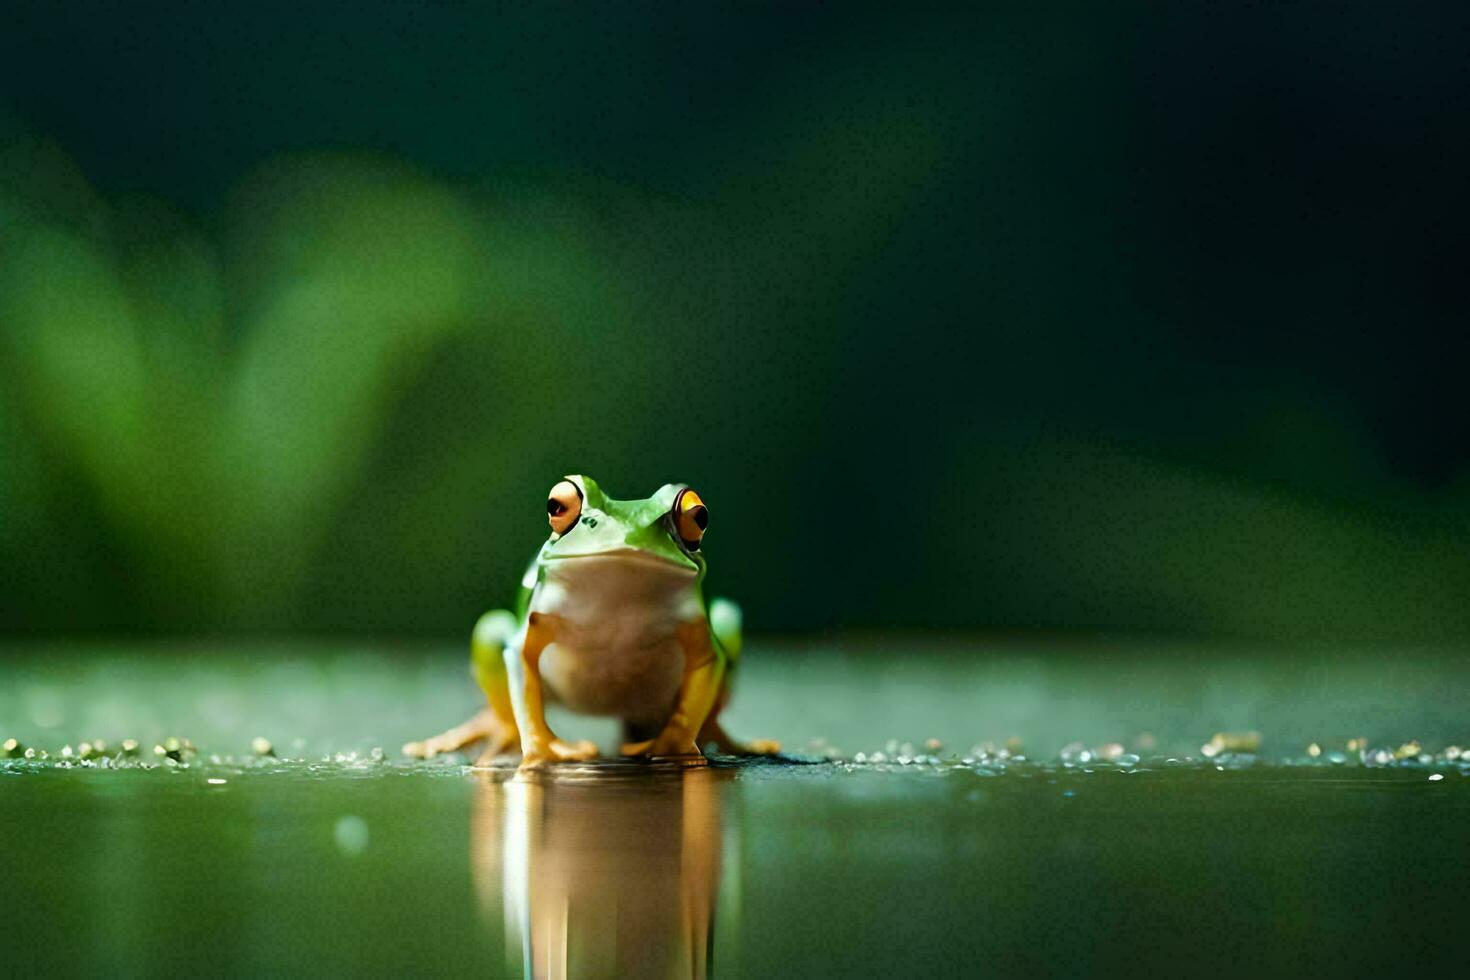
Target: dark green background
{"points": [[1119, 316]]}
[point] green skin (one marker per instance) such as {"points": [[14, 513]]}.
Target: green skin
{"points": [[610, 619], [612, 526]]}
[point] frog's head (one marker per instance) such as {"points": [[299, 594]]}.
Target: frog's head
{"points": [[666, 527]]}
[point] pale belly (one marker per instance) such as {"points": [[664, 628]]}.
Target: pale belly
{"points": [[615, 651], [634, 684]]}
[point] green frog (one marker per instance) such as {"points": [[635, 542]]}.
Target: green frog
{"points": [[611, 620]]}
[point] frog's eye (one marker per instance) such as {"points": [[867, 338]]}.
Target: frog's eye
{"points": [[563, 506], [691, 517]]}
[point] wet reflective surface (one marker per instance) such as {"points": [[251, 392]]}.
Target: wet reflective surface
{"points": [[1090, 847], [611, 870]]}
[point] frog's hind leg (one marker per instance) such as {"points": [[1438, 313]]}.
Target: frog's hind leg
{"points": [[477, 729], [725, 744], [495, 725], [725, 622]]}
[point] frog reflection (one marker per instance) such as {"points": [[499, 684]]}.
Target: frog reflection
{"points": [[601, 872]]}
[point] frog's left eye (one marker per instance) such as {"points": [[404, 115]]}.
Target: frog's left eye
{"points": [[691, 517], [563, 506]]}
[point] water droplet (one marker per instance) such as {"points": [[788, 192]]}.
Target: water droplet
{"points": [[351, 835], [1075, 752]]}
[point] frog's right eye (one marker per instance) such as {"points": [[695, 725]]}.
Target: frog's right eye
{"points": [[563, 506]]}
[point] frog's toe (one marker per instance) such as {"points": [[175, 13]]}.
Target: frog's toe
{"points": [[663, 747], [559, 751], [714, 734], [428, 748], [574, 751], [634, 749], [482, 725]]}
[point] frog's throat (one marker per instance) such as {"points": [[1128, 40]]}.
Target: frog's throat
{"points": [[633, 555]]}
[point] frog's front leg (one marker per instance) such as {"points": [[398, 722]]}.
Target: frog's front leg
{"points": [[704, 668], [539, 743]]}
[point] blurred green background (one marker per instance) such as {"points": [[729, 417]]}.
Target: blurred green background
{"points": [[1105, 316]]}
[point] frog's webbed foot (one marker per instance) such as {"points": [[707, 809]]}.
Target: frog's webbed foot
{"points": [[714, 734], [754, 747], [482, 727], [558, 751], [665, 746]]}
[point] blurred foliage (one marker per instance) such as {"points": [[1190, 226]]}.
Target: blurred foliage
{"points": [[973, 318]]}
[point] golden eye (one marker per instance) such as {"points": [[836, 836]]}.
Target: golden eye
{"points": [[563, 506], [691, 517]]}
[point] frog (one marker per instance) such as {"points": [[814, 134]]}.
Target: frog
{"points": [[610, 620]]}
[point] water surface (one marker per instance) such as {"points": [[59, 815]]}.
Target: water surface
{"points": [[1101, 841]]}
